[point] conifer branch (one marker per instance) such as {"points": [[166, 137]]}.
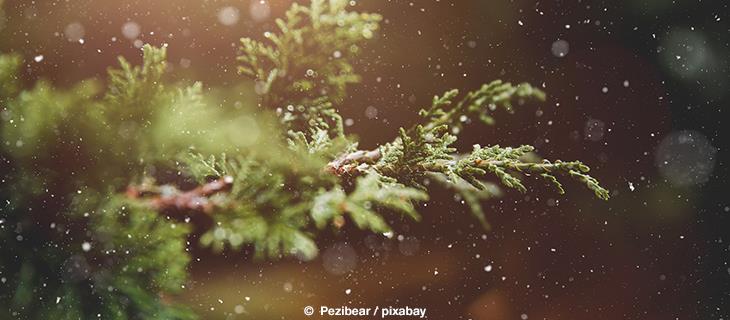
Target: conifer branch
{"points": [[276, 193], [446, 110]]}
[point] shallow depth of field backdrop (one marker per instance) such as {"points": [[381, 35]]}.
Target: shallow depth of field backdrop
{"points": [[636, 89]]}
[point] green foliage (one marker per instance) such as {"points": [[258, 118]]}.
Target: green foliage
{"points": [[269, 206], [319, 115], [311, 54], [425, 150], [478, 104], [151, 244], [260, 209], [304, 68], [9, 65], [65, 154], [411, 156], [372, 192], [158, 122], [137, 87], [506, 163], [422, 153], [44, 119], [76, 246]]}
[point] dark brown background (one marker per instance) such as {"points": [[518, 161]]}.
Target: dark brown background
{"points": [[657, 252]]}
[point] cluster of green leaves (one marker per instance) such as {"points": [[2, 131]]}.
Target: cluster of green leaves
{"points": [[392, 180], [140, 256], [71, 246], [278, 205], [478, 104], [281, 197], [506, 163], [425, 152], [307, 62], [8, 69], [263, 207], [372, 192], [69, 234]]}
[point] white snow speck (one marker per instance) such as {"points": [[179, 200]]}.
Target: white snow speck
{"points": [[38, 58], [86, 246]]}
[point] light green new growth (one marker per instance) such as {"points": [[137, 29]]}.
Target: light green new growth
{"points": [[307, 65], [311, 55], [478, 104], [94, 176]]}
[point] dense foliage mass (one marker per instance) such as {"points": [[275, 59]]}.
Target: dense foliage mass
{"points": [[99, 181]]}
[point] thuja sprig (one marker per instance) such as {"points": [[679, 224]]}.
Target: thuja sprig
{"points": [[447, 110], [302, 71], [310, 55], [304, 67], [412, 157], [507, 163], [277, 190], [425, 151]]}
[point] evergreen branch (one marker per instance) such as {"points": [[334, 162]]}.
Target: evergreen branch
{"points": [[304, 68], [445, 110], [413, 157], [138, 86], [274, 194], [372, 191]]}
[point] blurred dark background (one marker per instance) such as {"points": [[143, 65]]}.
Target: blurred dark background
{"points": [[637, 89]]}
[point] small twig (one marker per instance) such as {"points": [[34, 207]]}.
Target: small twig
{"points": [[170, 198], [351, 163]]}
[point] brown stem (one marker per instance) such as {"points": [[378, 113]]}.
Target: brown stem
{"points": [[351, 163], [170, 198]]}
